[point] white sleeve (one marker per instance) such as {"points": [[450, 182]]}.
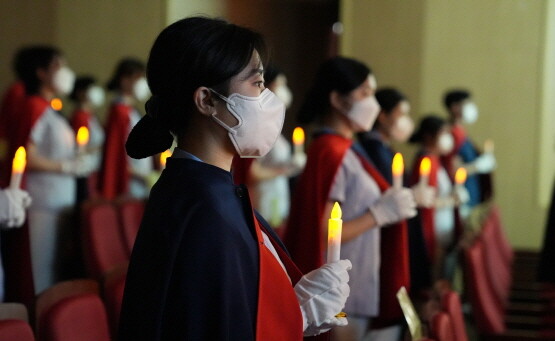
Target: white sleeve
{"points": [[338, 191]]}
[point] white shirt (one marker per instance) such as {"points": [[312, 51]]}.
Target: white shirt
{"points": [[444, 218]]}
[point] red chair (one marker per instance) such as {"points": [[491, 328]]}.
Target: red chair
{"points": [[498, 270], [451, 304], [15, 330], [113, 286], [441, 328], [14, 323], [72, 310], [131, 213], [103, 244], [503, 244]]}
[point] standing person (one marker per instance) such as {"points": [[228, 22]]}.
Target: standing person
{"points": [[11, 102], [205, 266], [119, 174], [342, 103], [394, 124], [52, 163], [13, 202], [440, 222], [88, 97], [462, 110], [268, 177]]}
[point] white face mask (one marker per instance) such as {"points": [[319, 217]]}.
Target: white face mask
{"points": [[260, 122], [283, 93], [364, 112], [64, 80], [95, 95], [446, 143], [469, 113], [402, 129], [141, 91]]}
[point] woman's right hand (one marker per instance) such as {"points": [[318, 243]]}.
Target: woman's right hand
{"points": [[394, 205], [322, 294]]}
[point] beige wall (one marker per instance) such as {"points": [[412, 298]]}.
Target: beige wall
{"points": [[495, 48]]}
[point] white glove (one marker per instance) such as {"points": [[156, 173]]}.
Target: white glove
{"points": [[322, 294], [393, 206], [424, 195], [17, 201], [461, 195], [485, 163], [81, 166]]}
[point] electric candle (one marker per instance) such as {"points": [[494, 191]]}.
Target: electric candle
{"points": [[18, 167], [488, 146], [82, 139], [335, 225], [398, 169], [298, 140], [425, 169]]}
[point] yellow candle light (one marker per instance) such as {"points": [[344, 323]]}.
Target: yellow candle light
{"points": [[460, 176], [18, 167], [398, 169], [56, 104], [425, 169], [82, 139], [298, 140], [335, 226], [164, 156]]}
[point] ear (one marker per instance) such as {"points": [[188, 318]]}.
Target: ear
{"points": [[337, 101], [382, 118], [204, 101], [41, 74]]}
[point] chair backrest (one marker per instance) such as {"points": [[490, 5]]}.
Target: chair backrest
{"points": [[131, 213], [505, 247], [15, 330], [113, 286], [13, 311], [489, 316], [51, 296], [441, 328], [451, 304], [79, 317], [498, 270], [103, 244]]}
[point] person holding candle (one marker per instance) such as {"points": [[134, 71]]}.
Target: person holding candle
{"points": [[462, 110], [52, 162], [342, 103], [205, 266], [440, 223], [394, 125], [87, 97], [268, 176], [120, 175]]}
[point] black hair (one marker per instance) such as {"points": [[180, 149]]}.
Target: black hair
{"points": [[188, 54], [126, 67], [337, 74], [455, 96], [389, 98], [31, 59], [429, 127], [82, 83], [271, 72]]}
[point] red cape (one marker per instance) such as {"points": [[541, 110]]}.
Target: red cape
{"points": [[303, 236], [459, 136], [80, 118], [114, 174], [15, 243]]}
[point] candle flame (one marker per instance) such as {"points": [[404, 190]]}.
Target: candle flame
{"points": [[164, 156], [56, 104], [425, 166], [460, 176], [19, 160], [488, 146], [398, 166], [336, 211], [298, 136], [82, 136]]}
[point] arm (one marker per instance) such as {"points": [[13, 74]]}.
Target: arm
{"points": [[37, 162]]}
